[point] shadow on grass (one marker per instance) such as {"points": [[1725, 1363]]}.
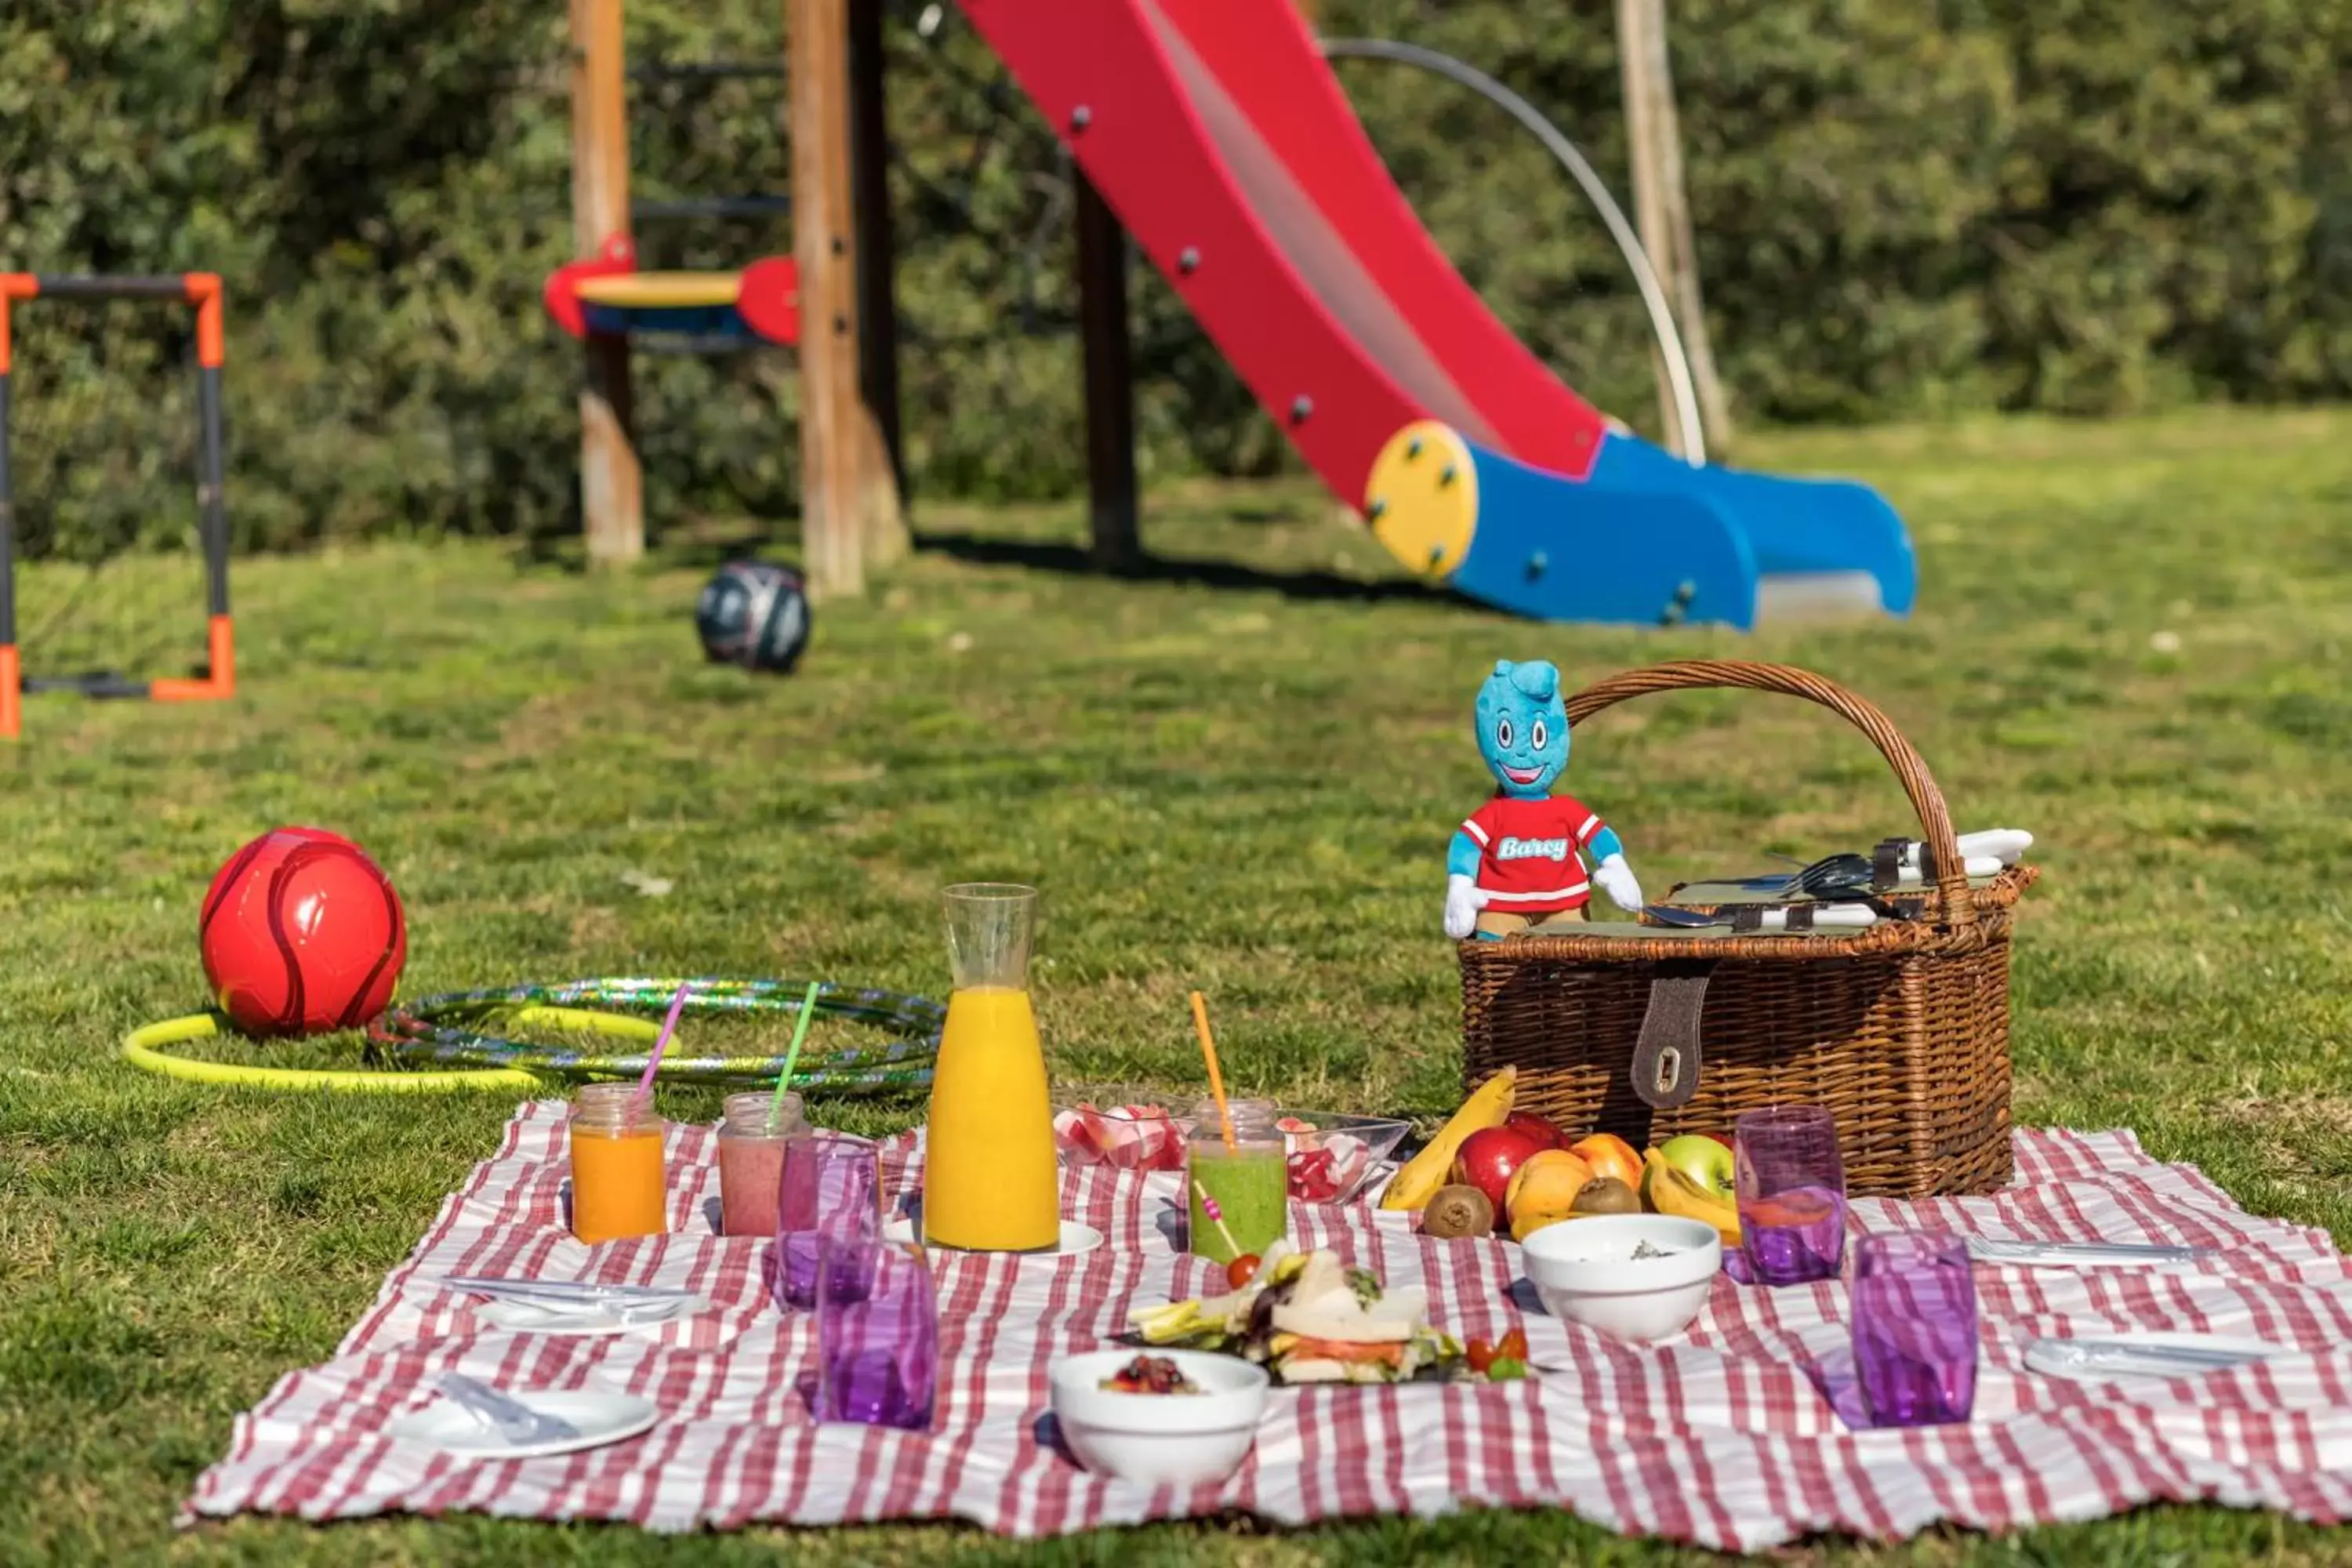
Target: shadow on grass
{"points": [[1040, 555]]}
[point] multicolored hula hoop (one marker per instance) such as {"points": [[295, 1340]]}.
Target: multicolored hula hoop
{"points": [[444, 1030]]}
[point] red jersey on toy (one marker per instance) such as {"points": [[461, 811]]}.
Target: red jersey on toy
{"points": [[1531, 853]]}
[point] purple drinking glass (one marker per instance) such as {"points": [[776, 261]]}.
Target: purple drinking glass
{"points": [[878, 1334], [832, 1187], [1790, 1180], [1915, 1328]]}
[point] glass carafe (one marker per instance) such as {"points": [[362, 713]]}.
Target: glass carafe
{"points": [[991, 1181]]}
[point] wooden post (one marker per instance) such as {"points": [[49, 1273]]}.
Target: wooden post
{"points": [[612, 484], [1662, 210], [877, 293], [843, 524], [881, 475], [1110, 381]]}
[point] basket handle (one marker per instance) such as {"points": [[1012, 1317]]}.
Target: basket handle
{"points": [[1926, 800]]}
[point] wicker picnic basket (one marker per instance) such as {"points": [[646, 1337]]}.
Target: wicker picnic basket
{"points": [[1901, 1029]]}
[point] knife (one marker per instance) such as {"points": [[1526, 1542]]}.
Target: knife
{"points": [[582, 1291], [2058, 1254], [1825, 916], [2117, 1355]]}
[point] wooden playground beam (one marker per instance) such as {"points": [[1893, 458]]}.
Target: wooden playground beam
{"points": [[1112, 507], [612, 482], [877, 289], [850, 518], [1661, 213]]}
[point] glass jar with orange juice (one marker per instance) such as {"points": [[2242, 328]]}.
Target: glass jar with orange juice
{"points": [[992, 1177], [619, 1187]]}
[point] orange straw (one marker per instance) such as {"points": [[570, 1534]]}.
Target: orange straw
{"points": [[1217, 1079]]}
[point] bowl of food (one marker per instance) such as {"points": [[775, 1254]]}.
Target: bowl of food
{"points": [[1159, 1418], [1333, 1156], [1128, 1129], [1636, 1276]]}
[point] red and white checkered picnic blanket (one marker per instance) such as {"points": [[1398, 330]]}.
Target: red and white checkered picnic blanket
{"points": [[1717, 1437]]}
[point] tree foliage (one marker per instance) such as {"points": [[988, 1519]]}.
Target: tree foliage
{"points": [[1904, 207]]}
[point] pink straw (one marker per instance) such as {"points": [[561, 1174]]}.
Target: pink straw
{"points": [[653, 1064]]}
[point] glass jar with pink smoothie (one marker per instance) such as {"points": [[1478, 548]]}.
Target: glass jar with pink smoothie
{"points": [[753, 1133]]}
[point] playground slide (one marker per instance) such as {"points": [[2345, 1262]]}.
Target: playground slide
{"points": [[1221, 139]]}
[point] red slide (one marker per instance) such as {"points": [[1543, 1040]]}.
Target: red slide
{"points": [[1275, 281], [1269, 65], [1220, 136]]}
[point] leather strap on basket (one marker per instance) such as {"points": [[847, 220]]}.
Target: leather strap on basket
{"points": [[1958, 908], [1666, 1054]]}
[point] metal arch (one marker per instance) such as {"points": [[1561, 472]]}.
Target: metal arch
{"points": [[1564, 153]]}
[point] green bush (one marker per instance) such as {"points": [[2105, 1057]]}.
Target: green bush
{"points": [[1904, 208]]}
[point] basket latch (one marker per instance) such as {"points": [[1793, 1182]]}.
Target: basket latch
{"points": [[1666, 1055]]}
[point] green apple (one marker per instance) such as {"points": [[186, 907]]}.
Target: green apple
{"points": [[1704, 1159]]}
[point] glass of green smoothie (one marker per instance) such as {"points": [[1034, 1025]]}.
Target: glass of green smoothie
{"points": [[1248, 1183]]}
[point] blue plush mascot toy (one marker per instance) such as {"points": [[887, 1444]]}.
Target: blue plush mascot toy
{"points": [[1520, 862]]}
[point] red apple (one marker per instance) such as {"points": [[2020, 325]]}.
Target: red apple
{"points": [[1539, 1129], [1490, 1157], [1718, 1138]]}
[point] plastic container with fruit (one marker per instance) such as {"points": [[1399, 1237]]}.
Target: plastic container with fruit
{"points": [[1334, 1157], [1126, 1129]]}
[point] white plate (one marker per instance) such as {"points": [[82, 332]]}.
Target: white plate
{"points": [[1076, 1238], [2156, 1339], [529, 1318], [602, 1418]]}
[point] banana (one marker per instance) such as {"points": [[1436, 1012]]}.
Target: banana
{"points": [[1668, 1191], [1415, 1185]]}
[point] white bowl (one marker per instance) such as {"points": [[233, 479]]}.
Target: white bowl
{"points": [[1159, 1439], [1585, 1271]]}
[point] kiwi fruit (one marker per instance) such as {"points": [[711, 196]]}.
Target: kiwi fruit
{"points": [[1458, 1211], [1606, 1194]]}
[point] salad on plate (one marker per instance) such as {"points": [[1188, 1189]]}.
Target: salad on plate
{"points": [[1309, 1318]]}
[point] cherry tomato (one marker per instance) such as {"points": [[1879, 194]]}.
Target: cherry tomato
{"points": [[1241, 1270], [1512, 1346], [1480, 1356]]}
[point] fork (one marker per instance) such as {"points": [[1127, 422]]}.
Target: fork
{"points": [[515, 1420]]}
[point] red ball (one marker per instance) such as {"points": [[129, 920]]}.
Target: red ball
{"points": [[302, 933]]}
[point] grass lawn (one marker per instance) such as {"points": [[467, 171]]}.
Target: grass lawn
{"points": [[2133, 641]]}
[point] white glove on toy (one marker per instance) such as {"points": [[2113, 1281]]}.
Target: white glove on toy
{"points": [[1616, 879], [1463, 902]]}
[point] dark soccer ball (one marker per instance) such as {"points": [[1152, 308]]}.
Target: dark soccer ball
{"points": [[753, 613]]}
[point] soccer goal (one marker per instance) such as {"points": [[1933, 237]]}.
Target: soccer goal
{"points": [[217, 677]]}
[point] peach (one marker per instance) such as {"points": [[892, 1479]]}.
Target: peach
{"points": [[1610, 1155], [1544, 1190]]}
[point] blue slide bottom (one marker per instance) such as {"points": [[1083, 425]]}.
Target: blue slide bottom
{"points": [[1648, 538]]}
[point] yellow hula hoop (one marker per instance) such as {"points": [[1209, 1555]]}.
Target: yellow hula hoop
{"points": [[140, 1048]]}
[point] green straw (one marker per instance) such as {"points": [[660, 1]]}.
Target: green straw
{"points": [[792, 1053]]}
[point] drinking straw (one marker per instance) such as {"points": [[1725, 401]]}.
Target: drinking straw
{"points": [[644, 1094], [793, 1054], [1216, 1217], [1217, 1079]]}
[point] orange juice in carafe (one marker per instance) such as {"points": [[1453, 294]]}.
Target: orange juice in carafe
{"points": [[991, 1179]]}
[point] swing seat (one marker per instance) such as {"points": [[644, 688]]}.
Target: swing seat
{"points": [[609, 297]]}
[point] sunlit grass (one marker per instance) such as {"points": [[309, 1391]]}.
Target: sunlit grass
{"points": [[2131, 641]]}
